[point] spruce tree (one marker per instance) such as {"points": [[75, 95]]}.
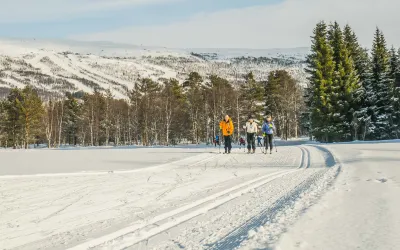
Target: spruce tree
{"points": [[358, 54], [378, 91], [344, 85], [320, 67], [395, 100]]}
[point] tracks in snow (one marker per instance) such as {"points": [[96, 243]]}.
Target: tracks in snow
{"points": [[182, 214], [130, 236], [230, 206]]}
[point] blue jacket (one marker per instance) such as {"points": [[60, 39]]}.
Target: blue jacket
{"points": [[268, 128]]}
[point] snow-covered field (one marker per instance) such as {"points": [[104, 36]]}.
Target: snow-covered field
{"points": [[305, 196]]}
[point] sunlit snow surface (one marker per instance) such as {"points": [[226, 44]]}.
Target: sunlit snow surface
{"points": [[305, 196]]}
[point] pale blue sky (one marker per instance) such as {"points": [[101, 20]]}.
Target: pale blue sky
{"points": [[195, 23], [98, 20]]}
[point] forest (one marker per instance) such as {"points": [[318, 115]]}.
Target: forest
{"points": [[164, 112], [353, 93]]}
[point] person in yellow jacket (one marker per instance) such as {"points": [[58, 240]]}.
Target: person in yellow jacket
{"points": [[227, 128]]}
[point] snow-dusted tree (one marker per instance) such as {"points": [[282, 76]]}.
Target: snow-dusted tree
{"points": [[320, 67], [395, 77], [345, 83], [379, 91]]}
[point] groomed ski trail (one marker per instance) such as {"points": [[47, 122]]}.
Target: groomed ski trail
{"points": [[134, 209]]}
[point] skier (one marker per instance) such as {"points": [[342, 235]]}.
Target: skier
{"points": [[251, 131], [226, 126], [259, 144], [216, 140], [268, 132], [242, 142]]}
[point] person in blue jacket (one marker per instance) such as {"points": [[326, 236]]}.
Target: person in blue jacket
{"points": [[268, 129]]}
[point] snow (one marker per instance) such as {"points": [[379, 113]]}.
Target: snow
{"points": [[305, 196], [361, 211], [119, 65]]}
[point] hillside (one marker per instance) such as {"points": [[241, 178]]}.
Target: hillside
{"points": [[55, 67]]}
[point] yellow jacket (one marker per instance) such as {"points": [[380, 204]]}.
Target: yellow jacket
{"points": [[226, 127]]}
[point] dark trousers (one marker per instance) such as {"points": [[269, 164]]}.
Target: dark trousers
{"points": [[228, 142], [268, 140], [251, 141]]}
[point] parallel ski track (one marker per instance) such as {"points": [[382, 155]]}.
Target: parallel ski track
{"points": [[238, 235], [234, 238], [182, 214]]}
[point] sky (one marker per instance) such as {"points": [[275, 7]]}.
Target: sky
{"points": [[257, 24]]}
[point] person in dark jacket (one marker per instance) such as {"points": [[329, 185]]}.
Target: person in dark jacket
{"points": [[268, 132]]}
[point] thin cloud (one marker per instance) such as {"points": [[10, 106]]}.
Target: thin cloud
{"points": [[287, 24], [48, 10]]}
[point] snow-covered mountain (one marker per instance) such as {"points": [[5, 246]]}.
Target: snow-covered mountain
{"points": [[57, 66]]}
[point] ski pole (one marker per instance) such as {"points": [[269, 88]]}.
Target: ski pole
{"points": [[219, 142], [276, 149]]}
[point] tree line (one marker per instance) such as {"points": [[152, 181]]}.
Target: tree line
{"points": [[164, 112], [353, 93]]}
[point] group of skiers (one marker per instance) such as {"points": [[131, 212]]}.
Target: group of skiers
{"points": [[251, 129]]}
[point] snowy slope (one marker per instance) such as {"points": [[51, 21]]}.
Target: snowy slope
{"points": [[57, 66]]}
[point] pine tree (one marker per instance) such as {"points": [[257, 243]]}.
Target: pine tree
{"points": [[395, 100], [344, 85], [14, 126], [282, 95], [71, 119], [3, 125], [356, 52], [362, 64], [379, 90], [253, 97], [149, 90], [194, 99], [31, 110], [173, 101], [320, 67]]}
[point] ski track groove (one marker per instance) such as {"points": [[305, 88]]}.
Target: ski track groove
{"points": [[286, 158], [237, 236], [172, 216], [234, 238]]}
